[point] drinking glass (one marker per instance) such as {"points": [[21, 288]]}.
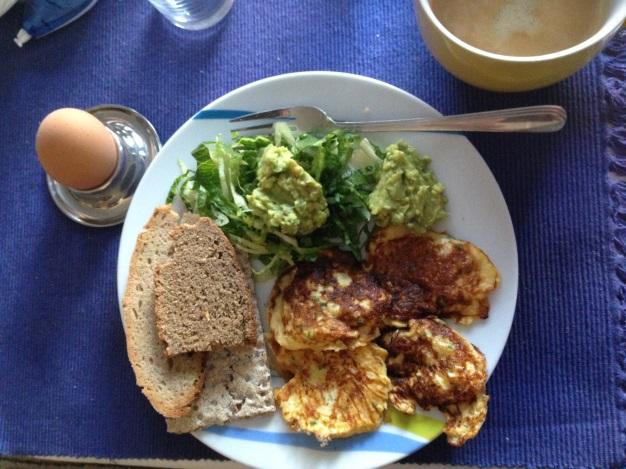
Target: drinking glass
{"points": [[193, 14]]}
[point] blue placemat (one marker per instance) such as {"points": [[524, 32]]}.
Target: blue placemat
{"points": [[66, 387]]}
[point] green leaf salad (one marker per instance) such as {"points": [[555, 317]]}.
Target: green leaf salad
{"points": [[285, 197]]}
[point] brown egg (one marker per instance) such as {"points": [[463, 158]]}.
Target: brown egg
{"points": [[76, 149]]}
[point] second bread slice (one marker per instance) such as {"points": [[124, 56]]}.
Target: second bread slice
{"points": [[203, 299]]}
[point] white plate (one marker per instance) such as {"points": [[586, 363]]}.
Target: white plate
{"points": [[478, 213]]}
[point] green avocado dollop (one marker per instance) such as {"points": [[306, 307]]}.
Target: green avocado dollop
{"points": [[407, 193], [287, 198]]}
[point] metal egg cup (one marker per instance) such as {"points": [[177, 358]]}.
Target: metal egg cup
{"points": [[106, 205]]}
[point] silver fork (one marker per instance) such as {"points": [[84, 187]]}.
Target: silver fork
{"points": [[546, 118]]}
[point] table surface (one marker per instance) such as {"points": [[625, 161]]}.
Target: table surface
{"points": [[93, 463], [67, 387]]}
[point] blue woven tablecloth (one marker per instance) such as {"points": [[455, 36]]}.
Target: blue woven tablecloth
{"points": [[66, 387]]}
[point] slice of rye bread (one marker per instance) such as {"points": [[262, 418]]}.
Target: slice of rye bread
{"points": [[203, 299], [237, 384], [170, 384]]}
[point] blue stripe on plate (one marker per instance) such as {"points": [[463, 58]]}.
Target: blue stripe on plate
{"points": [[375, 441], [220, 114]]}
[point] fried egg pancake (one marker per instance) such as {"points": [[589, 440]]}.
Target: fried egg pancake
{"points": [[334, 394], [431, 365], [464, 420], [431, 274], [329, 304]]}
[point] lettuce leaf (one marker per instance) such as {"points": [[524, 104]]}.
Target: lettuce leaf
{"points": [[226, 172]]}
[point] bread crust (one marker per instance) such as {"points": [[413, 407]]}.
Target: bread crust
{"points": [[170, 384]]}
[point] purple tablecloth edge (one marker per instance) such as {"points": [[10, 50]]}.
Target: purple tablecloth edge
{"points": [[614, 79]]}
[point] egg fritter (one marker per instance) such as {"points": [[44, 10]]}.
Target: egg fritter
{"points": [[334, 394], [431, 274], [329, 304], [431, 365], [463, 420]]}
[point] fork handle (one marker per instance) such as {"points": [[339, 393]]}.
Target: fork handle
{"points": [[522, 119]]}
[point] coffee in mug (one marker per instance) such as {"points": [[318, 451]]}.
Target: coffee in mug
{"points": [[522, 27]]}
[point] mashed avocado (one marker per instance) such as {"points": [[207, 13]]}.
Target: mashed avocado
{"points": [[287, 198], [408, 192]]}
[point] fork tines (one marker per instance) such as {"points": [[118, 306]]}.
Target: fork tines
{"points": [[274, 114], [253, 127]]}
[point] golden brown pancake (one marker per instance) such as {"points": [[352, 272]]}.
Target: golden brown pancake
{"points": [[431, 274], [464, 420], [431, 365], [329, 304], [334, 394]]}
